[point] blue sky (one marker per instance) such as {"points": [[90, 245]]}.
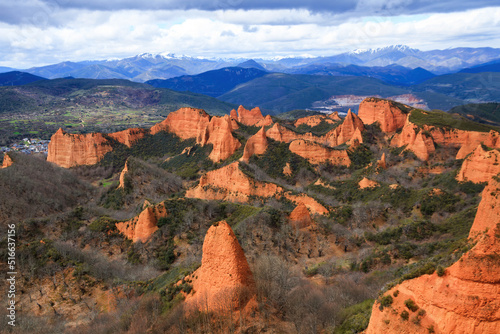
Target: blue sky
{"points": [[40, 32]]}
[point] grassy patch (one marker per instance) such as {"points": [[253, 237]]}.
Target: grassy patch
{"points": [[445, 120], [355, 318]]}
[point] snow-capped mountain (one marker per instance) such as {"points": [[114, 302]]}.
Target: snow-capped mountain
{"points": [[147, 66]]}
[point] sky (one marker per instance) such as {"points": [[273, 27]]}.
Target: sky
{"points": [[42, 32]]}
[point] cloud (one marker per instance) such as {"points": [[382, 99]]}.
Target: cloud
{"points": [[38, 12], [339, 6], [71, 33]]}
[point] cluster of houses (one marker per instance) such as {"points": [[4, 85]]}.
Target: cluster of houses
{"points": [[28, 146]]}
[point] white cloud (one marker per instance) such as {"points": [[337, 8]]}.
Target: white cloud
{"points": [[85, 34]]}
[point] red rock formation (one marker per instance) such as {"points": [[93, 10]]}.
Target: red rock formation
{"points": [[348, 127], [470, 139], [142, 227], [316, 153], [185, 123], [196, 123], [334, 116], [381, 163], [129, 136], [122, 176], [366, 183], [480, 166], [229, 183], [419, 143], [257, 144], [300, 216], [219, 133], [265, 121], [349, 131], [279, 133], [68, 150], [385, 112], [249, 117], [7, 161], [287, 170], [488, 210], [356, 139], [224, 281], [314, 120], [466, 299], [234, 115], [311, 204], [423, 146]]}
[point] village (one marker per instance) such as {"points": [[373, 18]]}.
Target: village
{"points": [[28, 146]]}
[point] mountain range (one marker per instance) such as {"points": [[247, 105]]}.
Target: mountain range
{"points": [[147, 66]]}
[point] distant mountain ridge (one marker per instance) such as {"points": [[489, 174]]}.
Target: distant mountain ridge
{"points": [[146, 66], [213, 83], [16, 78]]}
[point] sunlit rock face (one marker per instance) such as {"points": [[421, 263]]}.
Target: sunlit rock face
{"points": [[224, 281], [385, 112], [466, 298], [480, 165], [69, 150]]}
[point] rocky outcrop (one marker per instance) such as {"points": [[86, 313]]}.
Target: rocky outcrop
{"points": [[249, 117], [466, 299], [229, 183], [69, 150], [488, 211], [316, 153], [142, 227], [129, 136], [350, 129], [480, 166], [314, 120], [123, 173], [466, 141], [196, 123], [7, 161], [287, 170], [279, 133], [471, 139], [224, 281], [265, 121], [185, 123], [367, 183], [382, 163], [311, 204], [300, 216], [415, 140], [219, 133], [423, 146], [385, 112], [257, 144]]}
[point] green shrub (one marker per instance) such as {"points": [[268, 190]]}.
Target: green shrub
{"points": [[405, 315], [411, 305], [360, 157], [355, 318], [385, 301], [440, 271], [104, 224]]}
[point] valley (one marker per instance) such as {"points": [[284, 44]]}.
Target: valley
{"points": [[191, 220]]}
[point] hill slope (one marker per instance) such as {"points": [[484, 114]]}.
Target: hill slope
{"points": [[16, 78], [213, 83], [282, 92]]}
